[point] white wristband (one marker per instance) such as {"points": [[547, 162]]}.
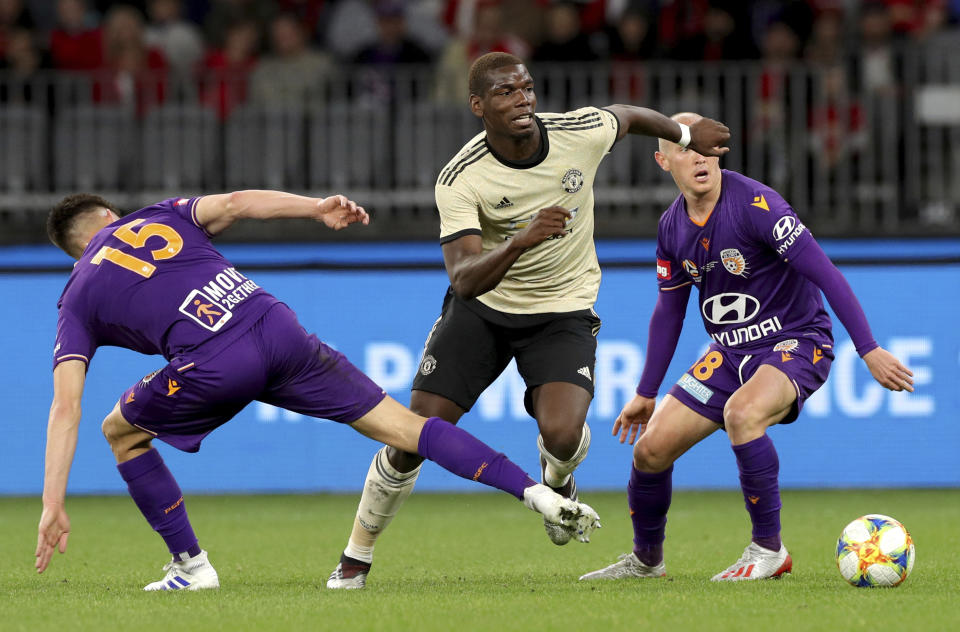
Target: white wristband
{"points": [[684, 135]]}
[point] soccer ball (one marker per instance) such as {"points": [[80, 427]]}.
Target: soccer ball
{"points": [[875, 550]]}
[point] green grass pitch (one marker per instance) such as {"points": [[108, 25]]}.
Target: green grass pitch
{"points": [[472, 562]]}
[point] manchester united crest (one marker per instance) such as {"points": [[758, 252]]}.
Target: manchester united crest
{"points": [[572, 180], [428, 364]]}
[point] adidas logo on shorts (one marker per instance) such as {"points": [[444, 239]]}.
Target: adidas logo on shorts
{"points": [[504, 203], [585, 372]]}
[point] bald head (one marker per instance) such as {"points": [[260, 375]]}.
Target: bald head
{"points": [[687, 118]]}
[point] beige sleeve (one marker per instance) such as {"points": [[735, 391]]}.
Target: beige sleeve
{"points": [[459, 214], [607, 133]]}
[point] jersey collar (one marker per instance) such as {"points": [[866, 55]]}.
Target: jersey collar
{"points": [[533, 160]]}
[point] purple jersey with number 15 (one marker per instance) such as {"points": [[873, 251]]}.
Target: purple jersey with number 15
{"points": [[152, 282], [749, 296]]}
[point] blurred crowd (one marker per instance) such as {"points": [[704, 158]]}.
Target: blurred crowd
{"points": [[229, 51]]}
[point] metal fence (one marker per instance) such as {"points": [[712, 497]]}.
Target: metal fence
{"points": [[851, 156]]}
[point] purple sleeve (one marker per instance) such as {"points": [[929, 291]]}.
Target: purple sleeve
{"points": [[665, 325], [186, 208], [74, 341], [814, 264]]}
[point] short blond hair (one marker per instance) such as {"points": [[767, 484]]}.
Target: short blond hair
{"points": [[687, 118]]}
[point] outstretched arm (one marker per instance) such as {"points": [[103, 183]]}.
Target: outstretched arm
{"points": [[216, 213], [812, 262], [62, 427], [707, 137]]}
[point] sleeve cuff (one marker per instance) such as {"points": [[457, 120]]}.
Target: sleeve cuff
{"points": [[460, 233], [645, 392], [867, 348]]}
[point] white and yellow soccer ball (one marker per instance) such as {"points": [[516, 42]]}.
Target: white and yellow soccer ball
{"points": [[875, 550]]}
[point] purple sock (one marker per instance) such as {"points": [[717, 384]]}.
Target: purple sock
{"points": [[759, 470], [160, 500], [648, 496], [458, 451]]}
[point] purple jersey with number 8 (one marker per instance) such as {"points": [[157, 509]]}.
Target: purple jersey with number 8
{"points": [[152, 282]]}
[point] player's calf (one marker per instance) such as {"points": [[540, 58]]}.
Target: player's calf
{"points": [[384, 491], [558, 475]]}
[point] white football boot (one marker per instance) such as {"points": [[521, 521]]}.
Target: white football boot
{"points": [[757, 563], [578, 519], [627, 566], [350, 574], [195, 573], [558, 533]]}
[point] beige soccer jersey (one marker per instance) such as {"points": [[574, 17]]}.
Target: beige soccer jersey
{"points": [[481, 193]]}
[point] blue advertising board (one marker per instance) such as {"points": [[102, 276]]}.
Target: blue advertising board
{"points": [[852, 433]]}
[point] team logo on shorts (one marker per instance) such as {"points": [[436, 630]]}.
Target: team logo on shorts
{"points": [[572, 180], [734, 262], [787, 345], [428, 365], [149, 376]]}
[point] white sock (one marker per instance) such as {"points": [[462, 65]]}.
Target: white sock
{"points": [[384, 491], [359, 552], [557, 472]]}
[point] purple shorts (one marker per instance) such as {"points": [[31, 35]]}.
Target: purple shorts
{"points": [[708, 384], [276, 362]]}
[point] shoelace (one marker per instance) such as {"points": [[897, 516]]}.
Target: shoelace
{"points": [[742, 560]]}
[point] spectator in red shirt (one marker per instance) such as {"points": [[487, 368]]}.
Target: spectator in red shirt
{"points": [[225, 72], [132, 74], [76, 42]]}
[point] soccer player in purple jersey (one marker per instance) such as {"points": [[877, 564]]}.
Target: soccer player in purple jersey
{"points": [[152, 282], [759, 273]]}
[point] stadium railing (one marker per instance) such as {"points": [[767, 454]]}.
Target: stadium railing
{"points": [[853, 157]]}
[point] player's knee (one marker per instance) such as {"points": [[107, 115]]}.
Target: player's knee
{"points": [[648, 458], [557, 451], [743, 415], [562, 443], [112, 431]]}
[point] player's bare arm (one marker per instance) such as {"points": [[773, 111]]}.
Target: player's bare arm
{"points": [[707, 137], [62, 427], [474, 272], [218, 212]]}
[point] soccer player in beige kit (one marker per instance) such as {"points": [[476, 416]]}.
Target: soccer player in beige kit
{"points": [[516, 227]]}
